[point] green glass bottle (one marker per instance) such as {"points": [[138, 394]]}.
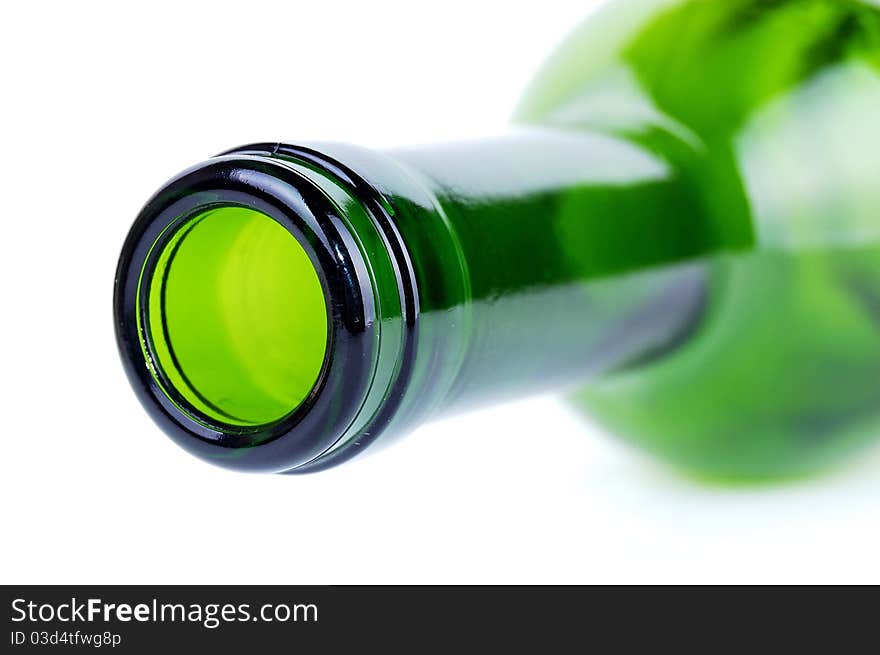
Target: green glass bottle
{"points": [[682, 230]]}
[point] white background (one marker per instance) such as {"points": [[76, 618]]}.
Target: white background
{"points": [[103, 102]]}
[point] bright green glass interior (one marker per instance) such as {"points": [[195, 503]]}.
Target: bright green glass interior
{"points": [[237, 317]]}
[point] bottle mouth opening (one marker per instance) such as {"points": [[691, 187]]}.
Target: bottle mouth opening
{"points": [[265, 310], [235, 324]]}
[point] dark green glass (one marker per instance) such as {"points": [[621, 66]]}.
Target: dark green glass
{"points": [[683, 230]]}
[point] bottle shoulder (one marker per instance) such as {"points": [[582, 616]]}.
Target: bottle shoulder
{"points": [[708, 65]]}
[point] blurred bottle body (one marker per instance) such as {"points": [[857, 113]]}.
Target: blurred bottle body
{"points": [[775, 105]]}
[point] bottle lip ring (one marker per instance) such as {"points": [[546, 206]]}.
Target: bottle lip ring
{"points": [[317, 433]]}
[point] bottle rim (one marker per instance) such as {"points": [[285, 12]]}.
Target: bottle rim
{"points": [[371, 326]]}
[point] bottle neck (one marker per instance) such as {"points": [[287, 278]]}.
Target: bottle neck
{"points": [[453, 274], [545, 257]]}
